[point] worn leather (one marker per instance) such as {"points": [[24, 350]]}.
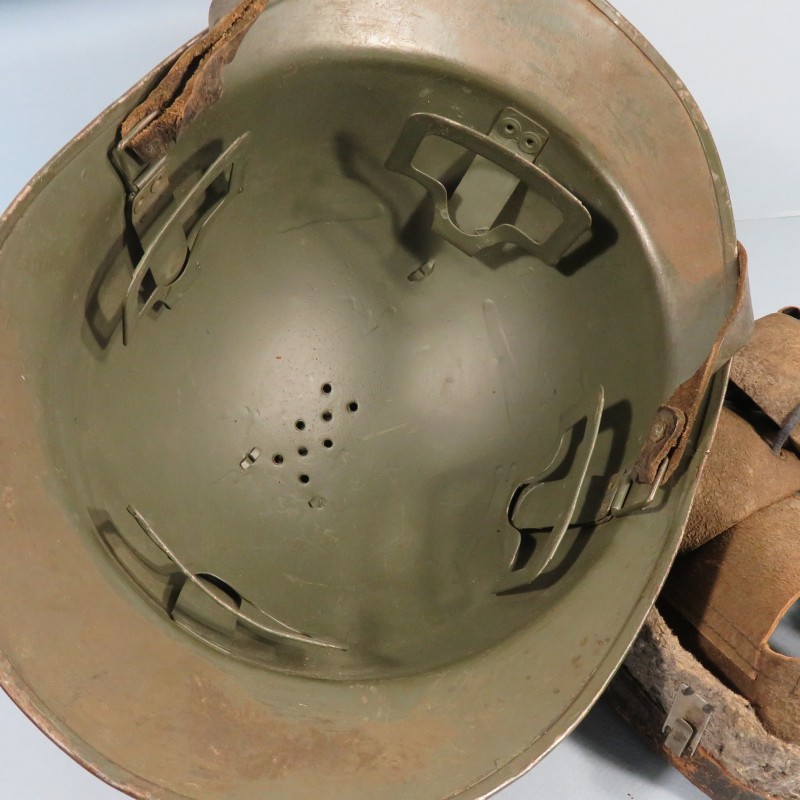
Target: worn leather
{"points": [[192, 84], [741, 476], [219, 8], [744, 574], [737, 759], [735, 590], [683, 406], [733, 587], [766, 369]]}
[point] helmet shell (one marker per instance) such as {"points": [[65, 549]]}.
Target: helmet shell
{"points": [[441, 397]]}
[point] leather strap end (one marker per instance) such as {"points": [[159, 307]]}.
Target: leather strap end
{"points": [[193, 84]]}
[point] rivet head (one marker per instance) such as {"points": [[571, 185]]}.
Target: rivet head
{"points": [[659, 430], [530, 142], [509, 127]]}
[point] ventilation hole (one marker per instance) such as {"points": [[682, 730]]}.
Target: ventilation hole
{"points": [[277, 459], [352, 407], [304, 479], [328, 443], [327, 416], [786, 638], [326, 388], [300, 425], [303, 451]]}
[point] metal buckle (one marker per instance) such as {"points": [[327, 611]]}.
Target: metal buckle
{"points": [[157, 219], [617, 508], [686, 722]]}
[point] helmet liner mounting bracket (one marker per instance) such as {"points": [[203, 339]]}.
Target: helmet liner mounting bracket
{"points": [[169, 230], [576, 220]]}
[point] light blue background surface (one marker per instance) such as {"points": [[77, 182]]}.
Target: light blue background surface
{"points": [[63, 61]]}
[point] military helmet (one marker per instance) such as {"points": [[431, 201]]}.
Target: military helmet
{"points": [[357, 369]]}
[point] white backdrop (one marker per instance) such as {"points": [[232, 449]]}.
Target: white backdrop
{"points": [[63, 61]]}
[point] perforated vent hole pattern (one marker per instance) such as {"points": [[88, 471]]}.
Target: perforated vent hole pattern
{"points": [[307, 432]]}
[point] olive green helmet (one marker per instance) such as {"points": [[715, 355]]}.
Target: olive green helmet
{"points": [[353, 413]]}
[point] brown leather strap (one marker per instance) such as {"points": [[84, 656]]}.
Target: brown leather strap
{"points": [[219, 8], [192, 84], [741, 476], [735, 590], [768, 367], [676, 418]]}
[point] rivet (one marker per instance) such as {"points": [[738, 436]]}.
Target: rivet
{"points": [[659, 430], [530, 142], [509, 127]]}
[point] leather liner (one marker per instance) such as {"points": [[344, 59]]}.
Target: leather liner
{"points": [[733, 590], [193, 84]]}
